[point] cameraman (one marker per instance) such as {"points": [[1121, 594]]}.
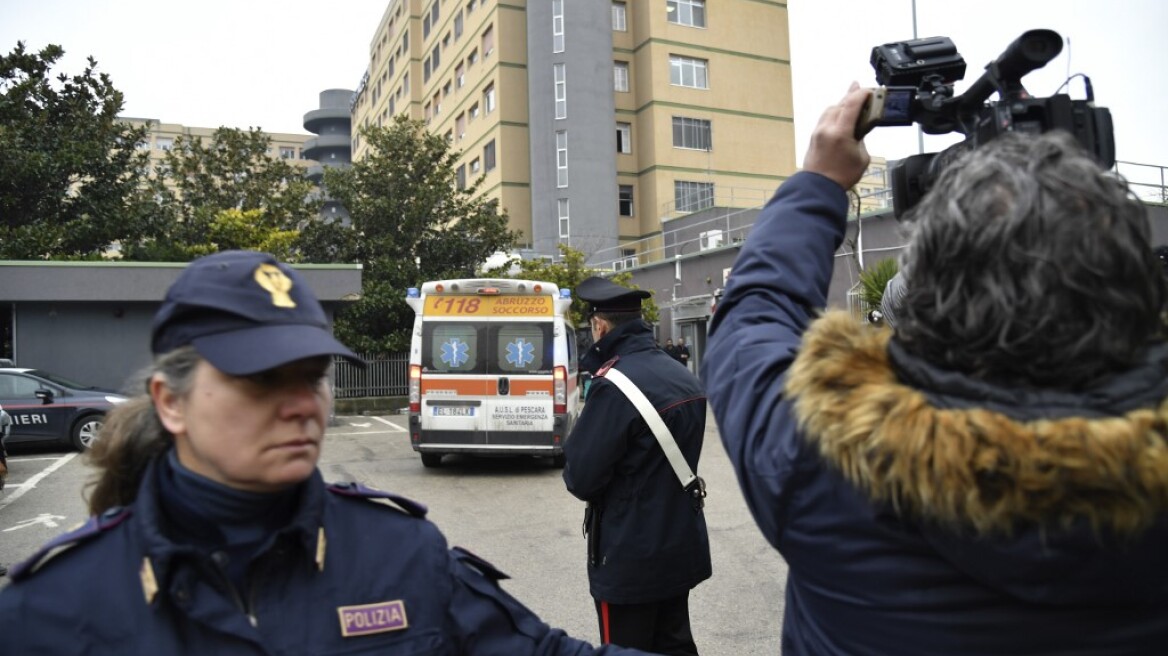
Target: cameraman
{"points": [[990, 478]]}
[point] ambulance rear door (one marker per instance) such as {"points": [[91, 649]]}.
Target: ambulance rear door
{"points": [[521, 355]]}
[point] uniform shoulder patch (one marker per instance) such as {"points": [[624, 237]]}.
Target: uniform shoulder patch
{"points": [[90, 529], [395, 501], [483, 567], [606, 366]]}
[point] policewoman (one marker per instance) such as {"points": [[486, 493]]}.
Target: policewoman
{"points": [[647, 539], [212, 531]]}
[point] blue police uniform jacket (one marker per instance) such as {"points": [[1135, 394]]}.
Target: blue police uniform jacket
{"points": [[653, 542], [357, 571], [921, 511]]}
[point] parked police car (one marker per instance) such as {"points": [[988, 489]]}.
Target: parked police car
{"points": [[47, 408]]}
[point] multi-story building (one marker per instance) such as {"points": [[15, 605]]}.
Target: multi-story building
{"points": [[161, 138], [331, 147], [595, 122], [874, 189]]}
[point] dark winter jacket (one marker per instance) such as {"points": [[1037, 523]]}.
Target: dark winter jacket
{"points": [[356, 572], [653, 543], [921, 511]]}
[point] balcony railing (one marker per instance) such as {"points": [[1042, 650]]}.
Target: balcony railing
{"points": [[1148, 181]]}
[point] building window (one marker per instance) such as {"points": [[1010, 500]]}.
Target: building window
{"points": [[287, 152], [460, 126], [426, 70], [470, 6], [446, 89], [488, 41], [625, 200], [558, 72], [459, 75], [406, 83], [163, 143], [405, 44], [691, 13], [489, 155], [691, 133], [473, 57], [692, 196], [562, 158], [489, 98], [624, 138], [619, 17], [473, 112], [557, 25], [475, 165], [458, 24], [562, 214], [620, 76], [688, 72], [460, 177], [434, 11], [435, 55], [628, 259]]}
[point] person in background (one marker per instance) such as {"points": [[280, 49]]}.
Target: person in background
{"points": [[991, 475], [213, 531], [648, 544], [682, 352], [670, 349]]}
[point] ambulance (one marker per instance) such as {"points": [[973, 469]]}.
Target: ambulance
{"points": [[493, 369]]}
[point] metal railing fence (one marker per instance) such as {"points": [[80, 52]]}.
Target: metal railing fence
{"points": [[386, 375]]}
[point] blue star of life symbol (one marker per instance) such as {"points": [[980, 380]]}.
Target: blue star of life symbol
{"points": [[455, 353], [520, 353]]}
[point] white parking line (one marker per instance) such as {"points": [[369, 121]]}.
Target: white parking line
{"points": [[390, 423], [32, 482]]}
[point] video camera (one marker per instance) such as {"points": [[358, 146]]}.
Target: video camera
{"points": [[917, 77]]}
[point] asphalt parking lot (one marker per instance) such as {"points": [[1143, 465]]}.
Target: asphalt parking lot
{"points": [[514, 512]]}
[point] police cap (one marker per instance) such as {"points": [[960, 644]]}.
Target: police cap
{"points": [[244, 312], [604, 295]]}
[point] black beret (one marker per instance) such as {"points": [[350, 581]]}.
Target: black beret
{"points": [[606, 296]]}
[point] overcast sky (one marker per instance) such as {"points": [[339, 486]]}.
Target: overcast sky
{"points": [[263, 63]]}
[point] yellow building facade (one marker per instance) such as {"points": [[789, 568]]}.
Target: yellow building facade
{"points": [[161, 138], [595, 123]]}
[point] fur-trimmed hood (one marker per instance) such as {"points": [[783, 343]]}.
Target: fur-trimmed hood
{"points": [[972, 466]]}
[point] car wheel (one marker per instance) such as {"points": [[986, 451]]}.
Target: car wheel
{"points": [[85, 431], [431, 459]]}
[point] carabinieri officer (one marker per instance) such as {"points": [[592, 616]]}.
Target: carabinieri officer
{"points": [[648, 544]]}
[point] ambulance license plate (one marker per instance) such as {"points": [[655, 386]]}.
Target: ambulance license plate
{"points": [[453, 411]]}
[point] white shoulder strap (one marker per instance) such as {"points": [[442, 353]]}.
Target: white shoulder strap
{"points": [[660, 430]]}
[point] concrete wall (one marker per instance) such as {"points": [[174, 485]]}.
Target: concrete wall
{"points": [[592, 189]]}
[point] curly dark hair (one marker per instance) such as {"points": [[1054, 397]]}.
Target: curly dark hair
{"points": [[1030, 265]]}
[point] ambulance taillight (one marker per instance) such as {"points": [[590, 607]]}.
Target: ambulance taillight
{"points": [[415, 388], [560, 390]]}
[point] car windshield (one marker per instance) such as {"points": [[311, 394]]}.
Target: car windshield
{"points": [[63, 382]]}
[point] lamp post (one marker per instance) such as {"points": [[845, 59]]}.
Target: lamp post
{"points": [[920, 132]]}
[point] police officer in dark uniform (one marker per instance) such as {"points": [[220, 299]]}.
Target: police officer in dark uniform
{"points": [[212, 530], [648, 543]]}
